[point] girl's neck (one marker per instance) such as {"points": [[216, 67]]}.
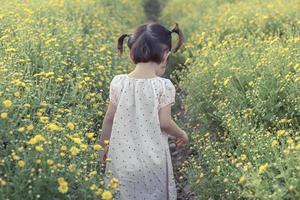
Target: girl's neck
{"points": [[144, 70]]}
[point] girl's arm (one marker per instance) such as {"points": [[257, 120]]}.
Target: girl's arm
{"points": [[107, 123], [167, 124]]}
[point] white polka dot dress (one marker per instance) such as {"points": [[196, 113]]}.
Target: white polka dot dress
{"points": [[138, 149]]}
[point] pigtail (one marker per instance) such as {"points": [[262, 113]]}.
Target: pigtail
{"points": [[120, 43], [180, 42]]}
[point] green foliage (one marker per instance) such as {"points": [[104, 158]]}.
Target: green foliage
{"points": [[56, 62], [243, 78]]}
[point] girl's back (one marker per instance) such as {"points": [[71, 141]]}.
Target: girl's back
{"points": [[139, 151], [138, 119]]}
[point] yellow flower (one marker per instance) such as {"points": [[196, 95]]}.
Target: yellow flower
{"points": [[290, 141], [39, 148], [113, 182], [248, 112], [63, 185], [84, 146], [38, 161], [98, 191], [282, 121], [7, 103], [30, 127], [281, 133], [59, 165], [17, 94], [20, 149], [206, 134], [53, 127], [274, 143], [44, 119], [21, 163], [97, 147], [101, 67], [39, 138], [251, 83], [72, 168], [16, 81], [76, 140], [16, 157], [61, 180], [2, 182], [226, 81], [70, 125], [21, 129], [4, 115], [242, 179], [93, 187], [63, 148], [93, 173], [103, 48], [90, 135], [263, 168], [286, 151], [36, 139], [106, 195], [74, 150], [50, 162], [243, 157]]}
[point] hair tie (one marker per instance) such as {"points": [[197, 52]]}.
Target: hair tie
{"points": [[120, 42], [175, 29]]}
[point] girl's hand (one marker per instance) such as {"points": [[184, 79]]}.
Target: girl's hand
{"points": [[103, 154], [182, 140]]}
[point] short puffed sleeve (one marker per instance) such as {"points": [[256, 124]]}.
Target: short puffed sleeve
{"points": [[114, 89], [168, 94]]}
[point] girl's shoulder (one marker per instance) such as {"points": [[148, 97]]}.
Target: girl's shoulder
{"points": [[163, 82], [117, 78], [166, 82], [117, 81]]}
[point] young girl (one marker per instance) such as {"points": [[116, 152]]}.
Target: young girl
{"points": [[138, 119]]}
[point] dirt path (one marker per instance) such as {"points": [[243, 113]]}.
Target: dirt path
{"points": [[183, 185], [152, 9], [179, 155]]}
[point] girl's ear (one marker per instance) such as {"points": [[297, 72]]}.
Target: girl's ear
{"points": [[168, 53], [167, 56], [166, 60]]}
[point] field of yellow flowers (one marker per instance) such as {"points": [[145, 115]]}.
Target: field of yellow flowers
{"points": [[56, 61], [241, 70], [243, 80]]}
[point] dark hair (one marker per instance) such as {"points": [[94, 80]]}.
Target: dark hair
{"points": [[149, 42]]}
